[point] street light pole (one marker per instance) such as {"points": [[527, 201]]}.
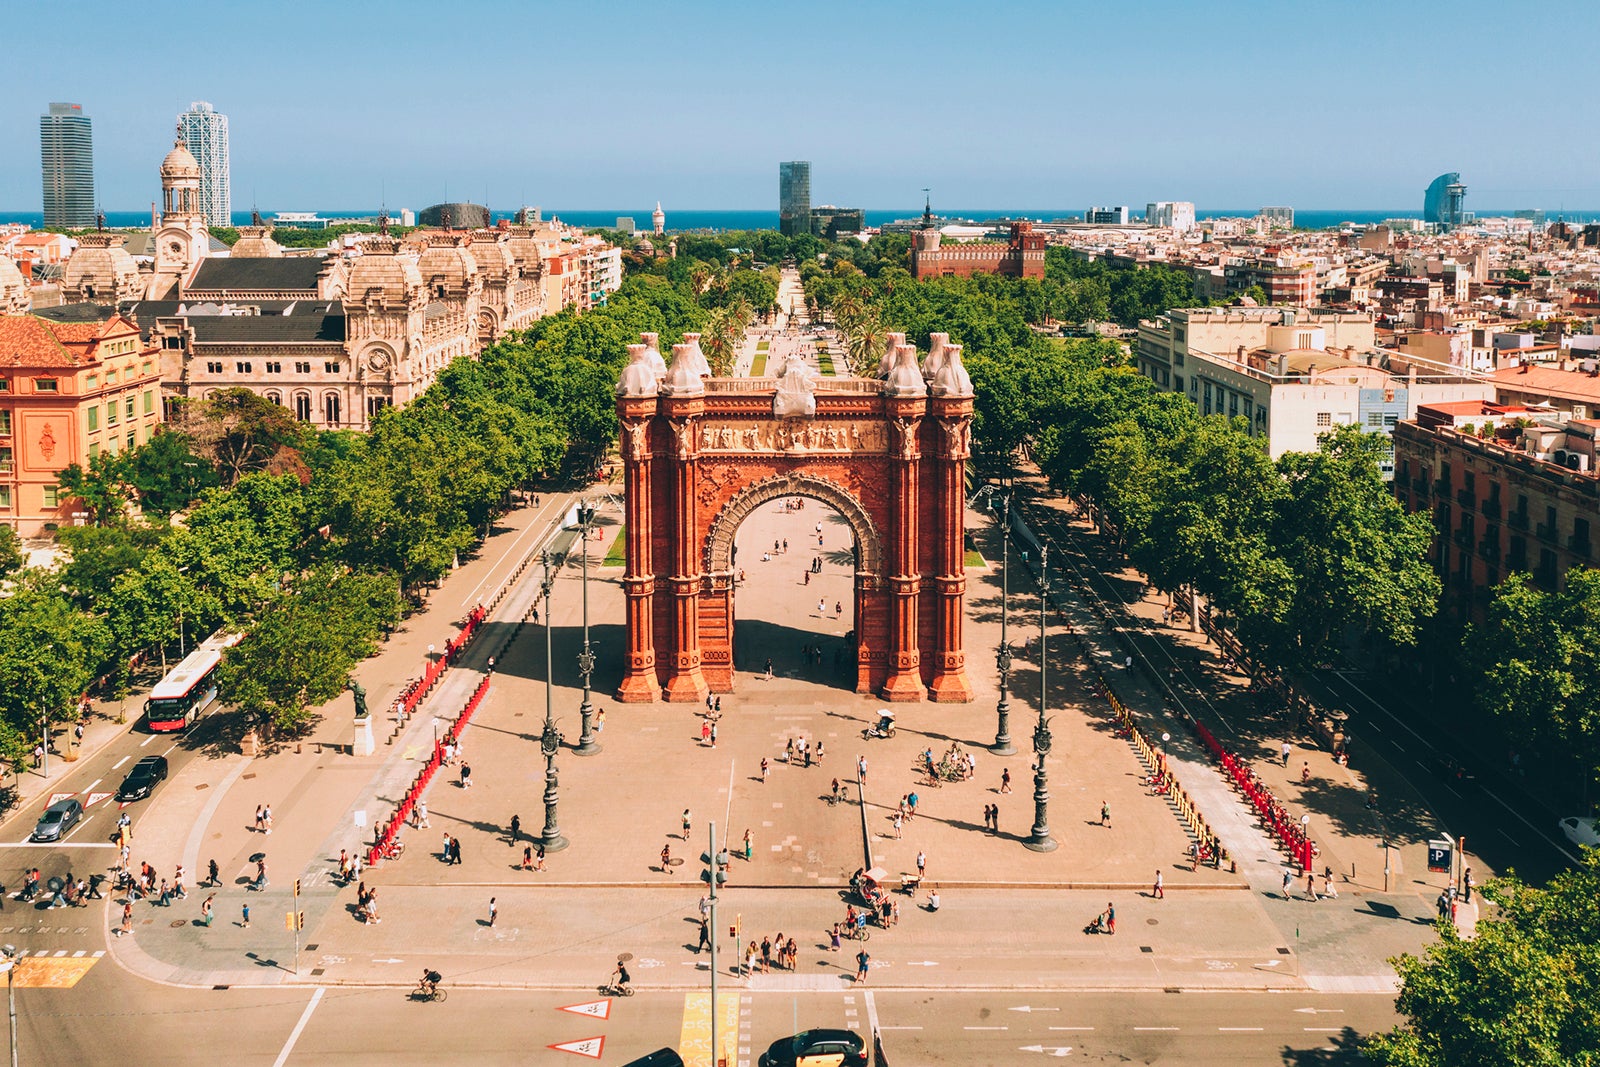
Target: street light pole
{"points": [[1002, 736], [550, 739], [1040, 840], [588, 744], [10, 961]]}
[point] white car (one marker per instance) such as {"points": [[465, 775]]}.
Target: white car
{"points": [[1581, 831]]}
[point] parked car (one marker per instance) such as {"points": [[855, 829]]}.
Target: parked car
{"points": [[661, 1057], [1581, 831], [58, 818], [143, 778], [817, 1048]]}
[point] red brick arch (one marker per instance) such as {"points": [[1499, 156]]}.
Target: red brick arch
{"points": [[700, 455]]}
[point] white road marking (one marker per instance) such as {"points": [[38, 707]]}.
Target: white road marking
{"points": [[121, 761], [1083, 1028], [985, 1028], [1240, 1029], [146, 741], [1323, 1029], [90, 787], [1157, 1029], [299, 1027], [881, 1028]]}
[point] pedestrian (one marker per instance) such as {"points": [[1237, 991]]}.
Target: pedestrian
{"points": [[466, 776], [922, 865], [713, 735], [749, 847], [819, 753], [833, 939], [899, 821], [261, 874], [206, 912], [600, 721], [1311, 886], [1327, 885], [763, 769], [705, 731], [516, 829], [911, 805], [527, 857], [266, 817], [1288, 880], [686, 824], [538, 857], [372, 907], [1005, 780], [444, 849], [705, 936], [708, 701], [494, 911], [1466, 886], [861, 768], [1111, 918], [994, 818], [455, 851], [1158, 892], [769, 668], [1286, 751], [863, 962], [1127, 663], [244, 914], [177, 885], [838, 609], [258, 819], [422, 815], [666, 858], [805, 751], [127, 919]]}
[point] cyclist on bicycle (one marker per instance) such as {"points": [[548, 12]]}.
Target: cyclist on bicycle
{"points": [[430, 982], [620, 978]]}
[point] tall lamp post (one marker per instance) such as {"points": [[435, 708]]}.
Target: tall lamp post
{"points": [[588, 743], [1039, 840], [8, 960], [1002, 659], [550, 739]]}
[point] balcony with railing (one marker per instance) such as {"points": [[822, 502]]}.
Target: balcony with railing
{"points": [[1467, 498], [1578, 546], [1545, 532], [1490, 507], [1463, 538], [1517, 520], [1422, 485], [1442, 486], [1489, 548]]}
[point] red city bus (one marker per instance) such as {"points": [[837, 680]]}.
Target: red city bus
{"points": [[189, 688]]}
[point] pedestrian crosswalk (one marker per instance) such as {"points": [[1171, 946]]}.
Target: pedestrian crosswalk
{"points": [[54, 968]]}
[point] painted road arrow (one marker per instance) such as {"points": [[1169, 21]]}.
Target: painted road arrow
{"points": [[1319, 1011], [922, 963], [1029, 1008], [1058, 1051], [589, 1046], [388, 961]]}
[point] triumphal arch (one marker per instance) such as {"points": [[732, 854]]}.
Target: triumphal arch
{"points": [[888, 453]]}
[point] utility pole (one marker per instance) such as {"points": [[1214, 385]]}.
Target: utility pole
{"points": [[550, 739], [588, 744], [1002, 737], [711, 876], [1039, 840]]}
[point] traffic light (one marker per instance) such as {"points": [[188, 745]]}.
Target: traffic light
{"points": [[288, 920], [300, 920], [297, 887]]}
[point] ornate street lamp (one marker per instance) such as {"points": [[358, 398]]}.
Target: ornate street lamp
{"points": [[1002, 735], [588, 743], [550, 739], [1039, 840]]}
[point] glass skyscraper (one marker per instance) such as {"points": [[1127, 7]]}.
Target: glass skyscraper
{"points": [[794, 197], [205, 132], [66, 150]]}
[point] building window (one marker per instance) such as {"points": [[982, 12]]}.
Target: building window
{"points": [[94, 417], [44, 385], [330, 409], [5, 385], [376, 404], [92, 382], [129, 408], [242, 366], [94, 449], [331, 366], [52, 496], [1177, 382], [1375, 419], [1390, 420], [5, 423], [1324, 418], [275, 398], [302, 407], [111, 413], [132, 438], [5, 497], [274, 367], [213, 367], [172, 342], [302, 367], [149, 401], [111, 375]]}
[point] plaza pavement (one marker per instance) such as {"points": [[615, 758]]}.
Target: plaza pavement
{"points": [[606, 893]]}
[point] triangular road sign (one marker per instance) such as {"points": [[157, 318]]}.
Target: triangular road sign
{"points": [[589, 1046], [95, 798], [61, 796], [598, 1009]]}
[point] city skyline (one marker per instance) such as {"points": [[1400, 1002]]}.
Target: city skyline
{"points": [[1174, 122]]}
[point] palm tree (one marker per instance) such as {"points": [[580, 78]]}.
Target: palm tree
{"points": [[720, 340], [865, 339]]}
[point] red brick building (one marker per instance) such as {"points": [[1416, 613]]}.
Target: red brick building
{"points": [[1021, 257]]}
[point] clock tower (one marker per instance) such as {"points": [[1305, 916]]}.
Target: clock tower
{"points": [[181, 239]]}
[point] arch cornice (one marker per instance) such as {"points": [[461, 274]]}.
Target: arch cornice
{"points": [[719, 538]]}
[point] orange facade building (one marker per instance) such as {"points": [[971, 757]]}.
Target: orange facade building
{"points": [[68, 390]]}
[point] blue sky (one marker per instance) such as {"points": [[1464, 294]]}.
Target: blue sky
{"points": [[341, 103]]}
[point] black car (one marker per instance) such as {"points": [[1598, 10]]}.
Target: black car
{"points": [[143, 778], [817, 1048], [661, 1057]]}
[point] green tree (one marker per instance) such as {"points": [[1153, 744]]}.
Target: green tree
{"points": [[169, 474], [98, 555], [239, 432], [1524, 991], [105, 487], [1537, 664], [49, 654], [301, 652], [12, 558]]}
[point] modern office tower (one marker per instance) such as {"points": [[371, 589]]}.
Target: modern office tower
{"points": [[205, 134], [66, 149], [1279, 216], [1107, 216], [1176, 215], [794, 197], [1444, 202]]}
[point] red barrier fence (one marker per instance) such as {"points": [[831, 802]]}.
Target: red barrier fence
{"points": [[406, 703], [385, 835]]}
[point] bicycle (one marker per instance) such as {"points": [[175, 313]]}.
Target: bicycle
{"points": [[614, 988], [430, 991]]}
